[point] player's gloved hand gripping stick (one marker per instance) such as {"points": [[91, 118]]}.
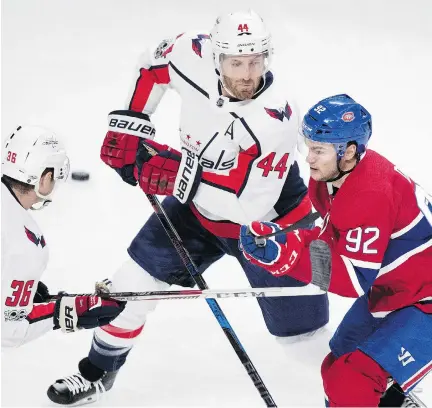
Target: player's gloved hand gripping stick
{"points": [[309, 219]]}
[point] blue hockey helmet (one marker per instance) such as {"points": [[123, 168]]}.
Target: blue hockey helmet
{"points": [[338, 120]]}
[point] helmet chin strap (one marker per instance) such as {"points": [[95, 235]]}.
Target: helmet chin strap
{"points": [[341, 172], [226, 87], [45, 199]]}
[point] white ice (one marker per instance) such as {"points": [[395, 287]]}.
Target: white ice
{"points": [[66, 64]]}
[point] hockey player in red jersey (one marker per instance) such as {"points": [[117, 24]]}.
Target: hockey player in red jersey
{"points": [[33, 163], [375, 244], [238, 136]]}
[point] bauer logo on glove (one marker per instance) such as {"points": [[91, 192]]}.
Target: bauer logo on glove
{"points": [[161, 169], [84, 312]]}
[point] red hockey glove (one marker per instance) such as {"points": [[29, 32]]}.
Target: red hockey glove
{"points": [[119, 148], [157, 167], [277, 254], [85, 312]]}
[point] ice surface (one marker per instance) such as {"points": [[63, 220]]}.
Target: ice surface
{"points": [[66, 64]]}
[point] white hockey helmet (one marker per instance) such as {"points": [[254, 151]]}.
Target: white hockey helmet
{"points": [[240, 33], [28, 151]]}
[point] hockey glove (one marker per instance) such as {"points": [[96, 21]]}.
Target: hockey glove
{"points": [[119, 148], [42, 294], [277, 254], [157, 168], [85, 312]]}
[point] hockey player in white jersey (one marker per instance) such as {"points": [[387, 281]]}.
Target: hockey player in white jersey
{"points": [[238, 136], [33, 163]]}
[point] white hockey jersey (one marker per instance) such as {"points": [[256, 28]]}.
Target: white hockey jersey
{"points": [[246, 147], [24, 256]]}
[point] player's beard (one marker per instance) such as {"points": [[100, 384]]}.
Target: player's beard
{"points": [[240, 88]]}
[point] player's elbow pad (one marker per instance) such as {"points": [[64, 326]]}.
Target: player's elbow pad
{"points": [[131, 123]]}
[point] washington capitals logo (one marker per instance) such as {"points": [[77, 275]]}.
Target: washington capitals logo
{"points": [[167, 50], [280, 113], [165, 47], [34, 238], [196, 43]]}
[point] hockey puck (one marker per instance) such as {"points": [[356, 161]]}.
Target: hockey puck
{"points": [[80, 175]]}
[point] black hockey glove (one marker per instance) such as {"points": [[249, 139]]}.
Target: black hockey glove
{"points": [[42, 294], [85, 312]]}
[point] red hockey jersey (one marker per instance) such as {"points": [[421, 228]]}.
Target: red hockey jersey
{"points": [[379, 229]]}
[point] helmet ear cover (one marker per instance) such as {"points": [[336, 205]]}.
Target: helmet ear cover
{"points": [[22, 187]]}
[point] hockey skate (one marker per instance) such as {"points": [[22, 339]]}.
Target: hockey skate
{"points": [[85, 387]]}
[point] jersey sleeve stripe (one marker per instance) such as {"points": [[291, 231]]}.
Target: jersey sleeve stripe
{"points": [[366, 272], [410, 226], [404, 257], [157, 74], [353, 276], [365, 264], [408, 384], [41, 311]]}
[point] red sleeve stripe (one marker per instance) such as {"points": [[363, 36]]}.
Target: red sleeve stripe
{"points": [[408, 384], [122, 333], [41, 311], [157, 74], [237, 177]]}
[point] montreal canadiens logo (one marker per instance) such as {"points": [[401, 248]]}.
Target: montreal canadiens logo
{"points": [[348, 117]]}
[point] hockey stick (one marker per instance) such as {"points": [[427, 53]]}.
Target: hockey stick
{"points": [[308, 290], [214, 306], [416, 399], [309, 219]]}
